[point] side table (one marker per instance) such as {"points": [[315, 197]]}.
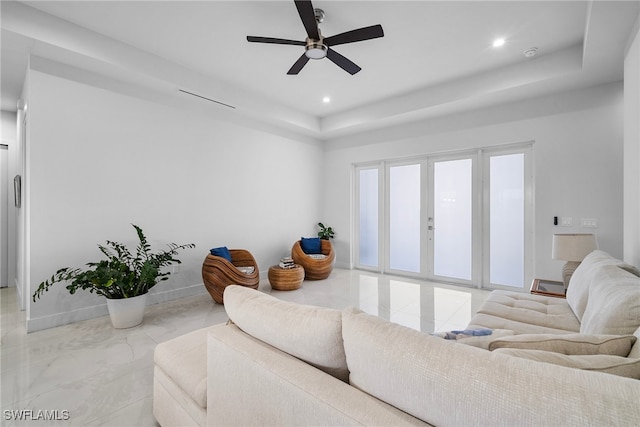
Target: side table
{"points": [[550, 288], [286, 279]]}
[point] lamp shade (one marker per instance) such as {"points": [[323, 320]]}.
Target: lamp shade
{"points": [[573, 247]]}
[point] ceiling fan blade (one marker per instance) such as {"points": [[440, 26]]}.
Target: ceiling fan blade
{"points": [[308, 17], [342, 62], [361, 34], [301, 62], [274, 40]]}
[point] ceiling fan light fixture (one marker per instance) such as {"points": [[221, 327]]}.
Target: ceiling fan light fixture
{"points": [[315, 50], [315, 46]]}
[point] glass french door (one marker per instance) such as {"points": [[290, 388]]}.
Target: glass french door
{"points": [[404, 213], [368, 217], [389, 216], [451, 225], [461, 218], [507, 214]]}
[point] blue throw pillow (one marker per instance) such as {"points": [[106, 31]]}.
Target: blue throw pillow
{"points": [[221, 252], [311, 245]]}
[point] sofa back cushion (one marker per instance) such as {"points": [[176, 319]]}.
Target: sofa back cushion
{"points": [[312, 334], [578, 290], [425, 376], [614, 302]]}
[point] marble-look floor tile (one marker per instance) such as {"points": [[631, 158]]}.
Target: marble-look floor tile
{"points": [[101, 376]]}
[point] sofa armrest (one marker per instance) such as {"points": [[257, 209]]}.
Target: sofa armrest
{"points": [[252, 383]]}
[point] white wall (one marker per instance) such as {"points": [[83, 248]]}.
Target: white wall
{"points": [[577, 162], [632, 150], [100, 160]]}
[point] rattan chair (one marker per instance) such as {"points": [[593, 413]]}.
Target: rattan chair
{"points": [[218, 273], [315, 269]]}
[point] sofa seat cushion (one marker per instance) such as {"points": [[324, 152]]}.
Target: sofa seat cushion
{"points": [[525, 314], [425, 376], [312, 334], [571, 344], [614, 302], [615, 365], [184, 361]]}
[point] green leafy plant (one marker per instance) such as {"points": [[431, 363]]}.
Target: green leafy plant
{"points": [[123, 274], [325, 233]]}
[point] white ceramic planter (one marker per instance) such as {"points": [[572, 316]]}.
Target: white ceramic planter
{"points": [[127, 312]]}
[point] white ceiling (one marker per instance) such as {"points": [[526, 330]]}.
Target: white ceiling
{"points": [[436, 56]]}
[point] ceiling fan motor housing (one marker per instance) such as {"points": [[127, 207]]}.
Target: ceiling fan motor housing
{"points": [[315, 49]]}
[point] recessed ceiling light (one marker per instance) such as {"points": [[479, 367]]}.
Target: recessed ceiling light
{"points": [[498, 42], [326, 100]]}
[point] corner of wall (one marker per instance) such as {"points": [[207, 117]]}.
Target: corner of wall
{"points": [[631, 224]]}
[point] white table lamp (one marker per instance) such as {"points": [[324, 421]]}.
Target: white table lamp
{"points": [[572, 248]]}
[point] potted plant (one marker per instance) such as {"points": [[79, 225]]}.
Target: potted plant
{"points": [[325, 233], [123, 278]]}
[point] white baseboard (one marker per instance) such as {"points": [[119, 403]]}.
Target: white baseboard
{"points": [[100, 310], [173, 294], [65, 318]]}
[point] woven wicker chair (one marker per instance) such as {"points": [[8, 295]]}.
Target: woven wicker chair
{"points": [[315, 269], [218, 273]]}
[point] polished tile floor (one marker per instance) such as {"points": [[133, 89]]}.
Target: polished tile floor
{"points": [[89, 374]]}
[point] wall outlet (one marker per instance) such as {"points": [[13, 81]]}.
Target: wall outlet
{"points": [[175, 269], [590, 222], [566, 221]]}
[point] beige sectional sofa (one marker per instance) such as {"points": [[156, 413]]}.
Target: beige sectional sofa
{"points": [[280, 363], [602, 298]]}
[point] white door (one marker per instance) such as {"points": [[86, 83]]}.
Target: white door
{"points": [[452, 220], [404, 218], [507, 226]]}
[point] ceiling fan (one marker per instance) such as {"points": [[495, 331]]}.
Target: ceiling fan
{"points": [[316, 45]]}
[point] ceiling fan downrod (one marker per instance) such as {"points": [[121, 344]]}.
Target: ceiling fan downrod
{"points": [[316, 49]]}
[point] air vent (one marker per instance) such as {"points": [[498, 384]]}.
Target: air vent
{"points": [[208, 99]]}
